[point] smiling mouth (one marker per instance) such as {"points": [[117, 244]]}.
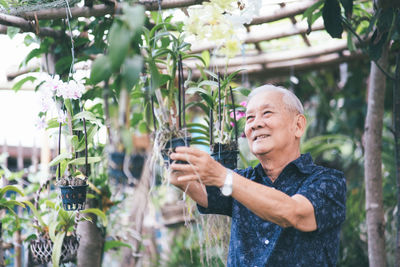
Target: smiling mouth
{"points": [[261, 137]]}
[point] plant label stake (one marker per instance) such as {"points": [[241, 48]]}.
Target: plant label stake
{"points": [[234, 115]]}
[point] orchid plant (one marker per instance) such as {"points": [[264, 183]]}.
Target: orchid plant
{"points": [[64, 99], [224, 116], [221, 22]]}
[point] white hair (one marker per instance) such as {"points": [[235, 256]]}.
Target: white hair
{"points": [[291, 101]]}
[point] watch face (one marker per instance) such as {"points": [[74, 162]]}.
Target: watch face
{"points": [[226, 190]]}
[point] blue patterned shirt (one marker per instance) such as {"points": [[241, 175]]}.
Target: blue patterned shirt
{"points": [[257, 242]]}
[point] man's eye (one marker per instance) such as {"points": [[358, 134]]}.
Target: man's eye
{"points": [[267, 112], [249, 117]]}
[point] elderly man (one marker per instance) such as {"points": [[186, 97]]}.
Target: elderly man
{"points": [[286, 211]]}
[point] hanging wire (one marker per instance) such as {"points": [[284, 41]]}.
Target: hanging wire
{"points": [[68, 13]]}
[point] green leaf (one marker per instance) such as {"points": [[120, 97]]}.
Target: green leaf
{"points": [[155, 75], [52, 231], [131, 70], [209, 83], [52, 123], [134, 16], [193, 90], [309, 11], [350, 43], [12, 31], [10, 188], [73, 140], [206, 57], [60, 158], [90, 133], [101, 215], [119, 40], [12, 203], [89, 116], [81, 160], [4, 3], [15, 215], [34, 53], [57, 245], [101, 69], [17, 86], [35, 213], [348, 7], [115, 244], [332, 18], [50, 204]]}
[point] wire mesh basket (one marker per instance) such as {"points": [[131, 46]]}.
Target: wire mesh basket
{"points": [[40, 250]]}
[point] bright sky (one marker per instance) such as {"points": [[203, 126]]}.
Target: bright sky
{"points": [[18, 111]]}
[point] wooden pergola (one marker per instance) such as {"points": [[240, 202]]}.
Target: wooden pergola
{"points": [[300, 47]]}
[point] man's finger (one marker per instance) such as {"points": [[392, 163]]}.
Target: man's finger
{"points": [[183, 156], [183, 167], [188, 178], [190, 150]]}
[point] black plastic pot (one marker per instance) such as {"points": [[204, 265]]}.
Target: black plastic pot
{"points": [[170, 147], [116, 164], [227, 156], [40, 250], [73, 197]]}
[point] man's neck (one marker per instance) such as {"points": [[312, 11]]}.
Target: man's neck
{"points": [[274, 164]]}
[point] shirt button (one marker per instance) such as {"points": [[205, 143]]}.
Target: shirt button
{"points": [[266, 242]]}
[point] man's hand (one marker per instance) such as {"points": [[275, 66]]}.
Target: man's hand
{"points": [[202, 167]]}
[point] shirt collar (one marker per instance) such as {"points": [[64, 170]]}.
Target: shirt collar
{"points": [[304, 164]]}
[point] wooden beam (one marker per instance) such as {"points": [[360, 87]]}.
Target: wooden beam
{"points": [[255, 37], [289, 10], [271, 69], [26, 26], [315, 51], [104, 9]]}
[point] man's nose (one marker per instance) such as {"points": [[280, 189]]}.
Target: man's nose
{"points": [[258, 122]]}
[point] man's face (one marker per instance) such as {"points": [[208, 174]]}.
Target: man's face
{"points": [[270, 127]]}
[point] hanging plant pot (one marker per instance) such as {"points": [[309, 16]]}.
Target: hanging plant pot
{"points": [[170, 147], [226, 154], [116, 166], [174, 214], [73, 193], [40, 250]]}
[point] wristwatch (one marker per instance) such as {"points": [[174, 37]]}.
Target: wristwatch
{"points": [[226, 189]]}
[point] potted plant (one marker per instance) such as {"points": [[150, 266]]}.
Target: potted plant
{"points": [[78, 127], [222, 130], [165, 51], [56, 240], [120, 71]]}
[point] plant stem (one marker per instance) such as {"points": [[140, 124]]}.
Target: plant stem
{"points": [[86, 149], [234, 115], [179, 94], [59, 149]]}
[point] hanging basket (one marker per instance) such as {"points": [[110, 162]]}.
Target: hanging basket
{"points": [[170, 147], [73, 197], [225, 154], [40, 250], [173, 214], [116, 165]]}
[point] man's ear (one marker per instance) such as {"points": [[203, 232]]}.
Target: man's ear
{"points": [[300, 126]]}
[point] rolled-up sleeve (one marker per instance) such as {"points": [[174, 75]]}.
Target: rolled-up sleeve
{"points": [[327, 193], [218, 203]]}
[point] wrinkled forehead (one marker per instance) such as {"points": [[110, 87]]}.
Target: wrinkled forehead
{"points": [[262, 100]]}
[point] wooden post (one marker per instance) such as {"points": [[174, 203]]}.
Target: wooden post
{"points": [[20, 156], [373, 163], [2, 264]]}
